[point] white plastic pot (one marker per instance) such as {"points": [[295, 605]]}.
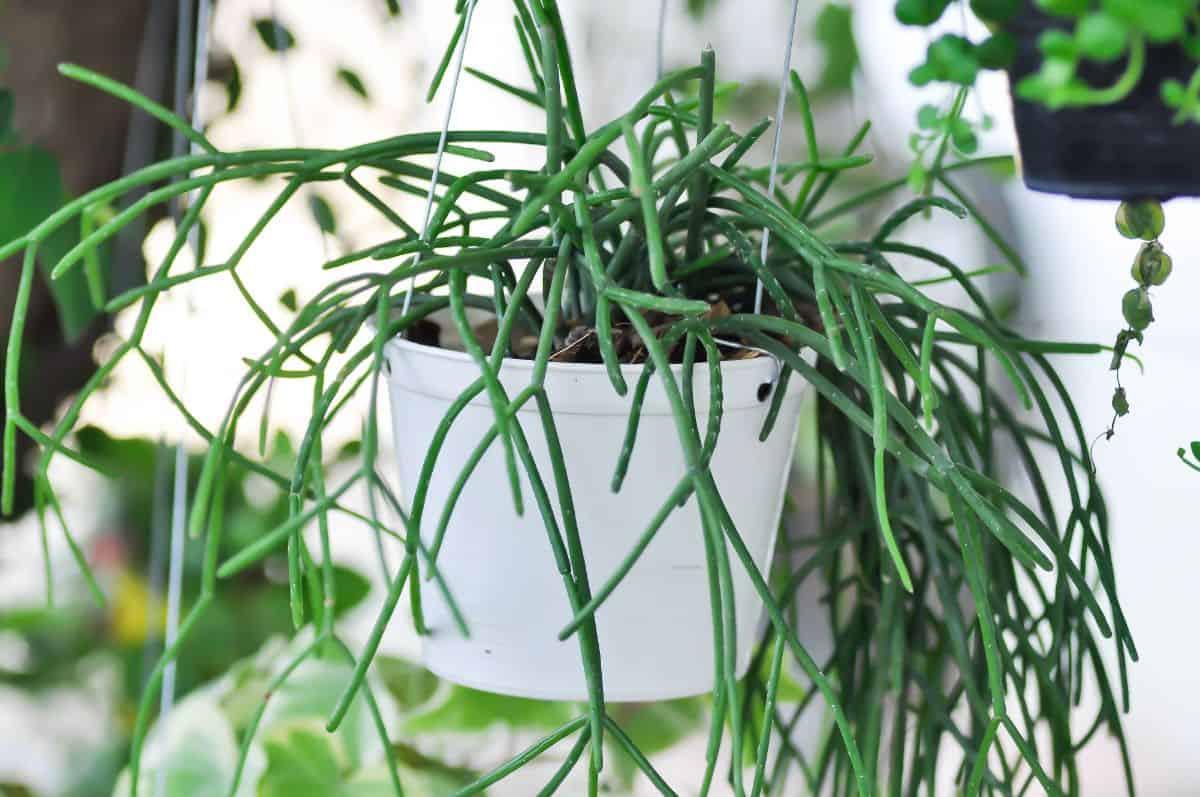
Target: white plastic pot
{"points": [[655, 629]]}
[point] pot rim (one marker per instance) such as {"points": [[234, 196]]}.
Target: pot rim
{"points": [[456, 355]]}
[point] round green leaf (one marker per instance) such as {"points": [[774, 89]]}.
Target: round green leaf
{"points": [[920, 12], [928, 117], [1174, 93], [964, 139], [1152, 266], [996, 51], [1136, 308], [1065, 8], [1101, 37], [1141, 218], [950, 58], [1057, 44], [995, 10], [1162, 22]]}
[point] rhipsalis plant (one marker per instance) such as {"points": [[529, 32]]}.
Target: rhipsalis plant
{"points": [[967, 623]]}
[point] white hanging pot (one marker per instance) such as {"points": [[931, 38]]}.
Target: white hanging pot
{"points": [[655, 629]]}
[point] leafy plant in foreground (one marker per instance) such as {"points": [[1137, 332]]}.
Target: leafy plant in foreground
{"points": [[960, 613]]}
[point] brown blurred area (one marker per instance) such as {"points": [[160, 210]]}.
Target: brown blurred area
{"points": [[87, 131]]}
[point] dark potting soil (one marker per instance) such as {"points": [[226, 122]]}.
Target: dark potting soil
{"points": [[581, 343]]}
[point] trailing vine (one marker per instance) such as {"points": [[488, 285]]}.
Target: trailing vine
{"points": [[1138, 220], [963, 617]]}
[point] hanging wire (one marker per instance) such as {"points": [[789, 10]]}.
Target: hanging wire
{"points": [[660, 39], [441, 148], [775, 145], [184, 49], [191, 51], [199, 75], [174, 590], [160, 519], [660, 45]]}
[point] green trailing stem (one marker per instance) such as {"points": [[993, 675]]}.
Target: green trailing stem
{"points": [[908, 425], [880, 435]]}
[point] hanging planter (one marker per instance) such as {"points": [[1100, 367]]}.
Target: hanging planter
{"points": [[655, 635], [1106, 96], [655, 229], [1133, 147]]}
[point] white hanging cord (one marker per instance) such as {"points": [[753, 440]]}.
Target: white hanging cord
{"points": [[661, 39], [441, 148], [199, 75], [733, 344], [460, 57], [159, 523], [184, 49], [779, 109], [191, 41], [174, 590]]}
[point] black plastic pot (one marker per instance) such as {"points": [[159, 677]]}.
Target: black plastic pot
{"points": [[1130, 149]]}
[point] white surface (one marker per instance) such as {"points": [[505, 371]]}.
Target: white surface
{"points": [[1074, 293], [1079, 269], [655, 630]]}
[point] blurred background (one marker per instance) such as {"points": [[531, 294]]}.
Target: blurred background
{"points": [[349, 72]]}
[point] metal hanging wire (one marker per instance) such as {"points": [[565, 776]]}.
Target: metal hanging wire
{"points": [[780, 107], [660, 39], [191, 55], [441, 147]]}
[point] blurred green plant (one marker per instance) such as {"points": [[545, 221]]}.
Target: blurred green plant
{"points": [[1194, 463], [834, 33], [221, 729], [59, 640], [968, 610], [1097, 31], [226, 731]]}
